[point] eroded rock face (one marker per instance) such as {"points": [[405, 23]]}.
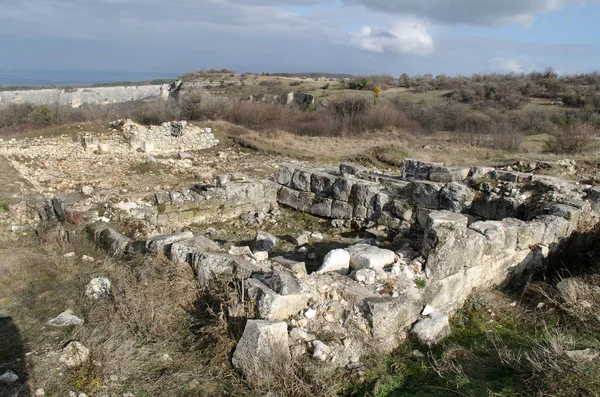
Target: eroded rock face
{"points": [[263, 352]]}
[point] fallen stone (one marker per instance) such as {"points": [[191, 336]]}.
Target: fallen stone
{"points": [[87, 190], [273, 306], [351, 169], [364, 256], [260, 256], [301, 238], [74, 355], [210, 266], [263, 353], [240, 251], [184, 156], [264, 241], [65, 319], [113, 242], [298, 268], [162, 244], [321, 351], [9, 377], [182, 251], [337, 260], [366, 276], [431, 329], [284, 282], [97, 288]]}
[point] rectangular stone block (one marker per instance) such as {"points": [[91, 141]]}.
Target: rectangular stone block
{"points": [[426, 194], [416, 169], [162, 244], [301, 201], [341, 210], [301, 180], [448, 174], [342, 188], [284, 173], [364, 193], [321, 207], [322, 183]]}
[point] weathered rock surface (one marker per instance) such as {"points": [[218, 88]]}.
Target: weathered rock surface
{"points": [[210, 266], [182, 251], [273, 306], [365, 256], [263, 352], [162, 244], [264, 241], [9, 377], [337, 260], [74, 354], [65, 319], [97, 288], [431, 329]]}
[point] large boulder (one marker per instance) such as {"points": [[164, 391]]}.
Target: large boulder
{"points": [[263, 353], [365, 256], [300, 99]]}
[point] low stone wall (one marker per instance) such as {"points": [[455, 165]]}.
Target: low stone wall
{"points": [[84, 96], [481, 226], [204, 204]]}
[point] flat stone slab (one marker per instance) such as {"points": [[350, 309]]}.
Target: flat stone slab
{"points": [[365, 256]]}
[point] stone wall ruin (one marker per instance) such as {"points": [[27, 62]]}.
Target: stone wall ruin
{"points": [[459, 229]]}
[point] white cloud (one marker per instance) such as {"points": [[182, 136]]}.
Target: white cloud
{"points": [[403, 37]]}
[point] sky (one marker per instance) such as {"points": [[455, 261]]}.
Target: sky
{"points": [[159, 37]]}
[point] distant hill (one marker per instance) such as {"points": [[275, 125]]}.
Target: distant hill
{"points": [[312, 75]]}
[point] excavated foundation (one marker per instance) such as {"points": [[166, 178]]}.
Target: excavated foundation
{"points": [[451, 231]]}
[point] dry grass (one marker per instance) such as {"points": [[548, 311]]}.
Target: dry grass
{"points": [[156, 335]]}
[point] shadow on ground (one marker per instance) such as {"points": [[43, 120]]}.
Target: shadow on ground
{"points": [[12, 358]]}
